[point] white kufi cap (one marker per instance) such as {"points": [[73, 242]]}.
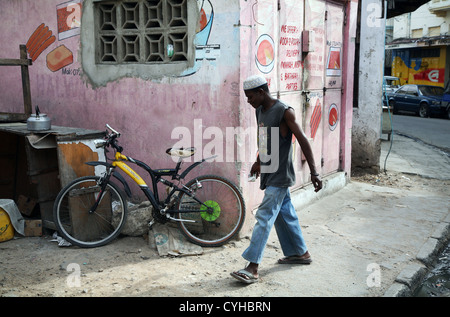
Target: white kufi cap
{"points": [[254, 82]]}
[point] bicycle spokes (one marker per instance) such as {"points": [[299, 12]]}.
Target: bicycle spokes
{"points": [[217, 211], [87, 215]]}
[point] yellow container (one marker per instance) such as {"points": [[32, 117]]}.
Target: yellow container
{"points": [[6, 227]]}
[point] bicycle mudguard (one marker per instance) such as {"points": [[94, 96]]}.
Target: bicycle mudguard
{"points": [[96, 163], [190, 168], [116, 175]]}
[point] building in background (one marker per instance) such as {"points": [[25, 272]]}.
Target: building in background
{"points": [[418, 45]]}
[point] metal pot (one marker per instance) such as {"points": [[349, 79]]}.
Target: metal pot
{"points": [[38, 121]]}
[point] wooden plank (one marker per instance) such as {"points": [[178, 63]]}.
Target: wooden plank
{"points": [[15, 62], [23, 62], [25, 82], [12, 117]]}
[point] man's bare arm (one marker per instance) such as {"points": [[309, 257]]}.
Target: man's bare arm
{"points": [[289, 117]]}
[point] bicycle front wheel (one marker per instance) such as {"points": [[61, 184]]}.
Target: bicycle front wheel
{"points": [[78, 223], [214, 214]]}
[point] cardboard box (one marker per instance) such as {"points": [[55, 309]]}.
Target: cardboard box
{"points": [[33, 228]]}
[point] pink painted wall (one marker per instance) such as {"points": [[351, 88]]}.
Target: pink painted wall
{"points": [[252, 38], [145, 111], [299, 78]]}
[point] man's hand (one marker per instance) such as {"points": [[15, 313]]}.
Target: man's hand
{"points": [[315, 179], [256, 169]]}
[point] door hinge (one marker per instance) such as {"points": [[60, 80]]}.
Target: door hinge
{"points": [[279, 5]]}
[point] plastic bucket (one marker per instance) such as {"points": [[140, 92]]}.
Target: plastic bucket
{"points": [[6, 228]]}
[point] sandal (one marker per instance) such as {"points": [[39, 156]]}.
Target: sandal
{"points": [[295, 259], [244, 276]]}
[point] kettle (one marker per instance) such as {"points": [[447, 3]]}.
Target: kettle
{"points": [[38, 121]]}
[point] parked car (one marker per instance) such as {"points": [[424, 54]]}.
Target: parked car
{"points": [[421, 99], [446, 101]]}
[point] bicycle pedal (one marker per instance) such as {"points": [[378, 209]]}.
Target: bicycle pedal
{"points": [[151, 223]]}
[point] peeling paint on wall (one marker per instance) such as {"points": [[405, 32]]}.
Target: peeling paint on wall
{"points": [[72, 157]]}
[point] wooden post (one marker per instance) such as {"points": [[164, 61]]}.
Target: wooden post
{"points": [[23, 62], [25, 82]]}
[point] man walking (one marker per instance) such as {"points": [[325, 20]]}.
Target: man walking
{"points": [[276, 125]]}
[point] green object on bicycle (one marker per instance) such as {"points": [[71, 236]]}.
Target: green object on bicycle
{"points": [[208, 215]]}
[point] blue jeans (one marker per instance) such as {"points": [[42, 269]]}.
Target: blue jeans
{"points": [[276, 208]]}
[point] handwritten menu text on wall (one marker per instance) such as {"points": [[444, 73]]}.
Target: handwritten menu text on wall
{"points": [[290, 57]]}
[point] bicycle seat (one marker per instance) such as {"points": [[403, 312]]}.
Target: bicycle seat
{"points": [[181, 152]]}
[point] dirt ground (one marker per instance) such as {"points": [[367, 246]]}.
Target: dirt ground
{"points": [[130, 267], [402, 180]]}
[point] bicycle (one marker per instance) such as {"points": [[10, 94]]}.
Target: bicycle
{"points": [[90, 211]]}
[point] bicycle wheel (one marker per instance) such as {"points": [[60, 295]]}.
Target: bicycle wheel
{"points": [[79, 226], [218, 217]]}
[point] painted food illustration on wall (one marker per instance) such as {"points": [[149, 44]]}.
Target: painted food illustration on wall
{"points": [[315, 118], [333, 117], [203, 50], [39, 41], [59, 58], [265, 55], [68, 15], [334, 62]]}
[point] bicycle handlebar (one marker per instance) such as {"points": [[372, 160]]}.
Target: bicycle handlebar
{"points": [[113, 131], [110, 140]]}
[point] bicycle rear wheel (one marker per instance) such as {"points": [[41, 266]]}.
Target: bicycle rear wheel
{"points": [[81, 227], [218, 217]]}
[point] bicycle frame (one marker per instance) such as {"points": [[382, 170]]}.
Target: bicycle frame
{"points": [[155, 175], [152, 196], [90, 211]]}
